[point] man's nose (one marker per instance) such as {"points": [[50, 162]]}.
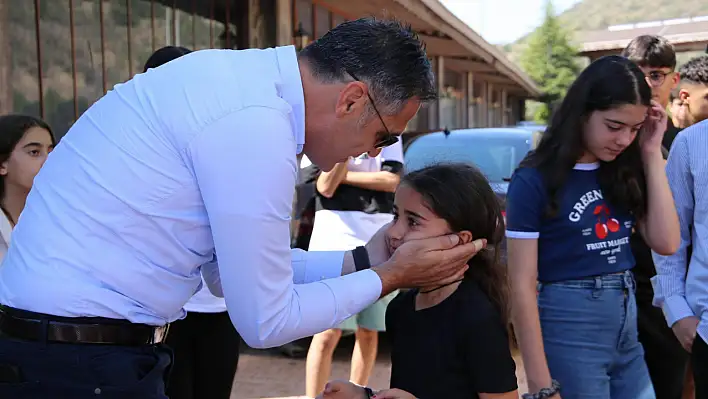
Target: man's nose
{"points": [[375, 152]]}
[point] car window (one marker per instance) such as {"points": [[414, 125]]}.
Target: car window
{"points": [[495, 157]]}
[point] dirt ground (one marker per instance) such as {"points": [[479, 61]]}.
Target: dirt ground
{"points": [[267, 374]]}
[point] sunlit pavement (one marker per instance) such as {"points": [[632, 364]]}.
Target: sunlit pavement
{"points": [[270, 375]]}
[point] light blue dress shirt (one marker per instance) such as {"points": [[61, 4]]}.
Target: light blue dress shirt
{"points": [[678, 294], [193, 158]]}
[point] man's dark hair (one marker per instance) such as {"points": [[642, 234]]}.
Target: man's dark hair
{"points": [[165, 55], [651, 51], [385, 54], [695, 71]]}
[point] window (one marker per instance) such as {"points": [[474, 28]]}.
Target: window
{"points": [[304, 16], [322, 21], [495, 154]]}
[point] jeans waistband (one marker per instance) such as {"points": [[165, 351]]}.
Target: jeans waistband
{"points": [[615, 281]]}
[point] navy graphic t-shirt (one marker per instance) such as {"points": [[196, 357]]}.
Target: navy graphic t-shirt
{"points": [[587, 237]]}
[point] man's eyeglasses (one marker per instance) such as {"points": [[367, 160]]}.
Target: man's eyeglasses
{"points": [[384, 139], [656, 78]]}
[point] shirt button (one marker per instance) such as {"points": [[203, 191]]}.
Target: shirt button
{"points": [[97, 391]]}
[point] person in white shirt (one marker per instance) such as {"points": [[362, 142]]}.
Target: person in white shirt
{"points": [[194, 158], [25, 142], [205, 342], [354, 200]]}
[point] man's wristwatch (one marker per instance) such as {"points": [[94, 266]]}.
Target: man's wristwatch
{"points": [[545, 393], [369, 392], [361, 258]]}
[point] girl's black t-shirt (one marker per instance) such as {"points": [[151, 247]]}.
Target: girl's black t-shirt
{"points": [[456, 349]]}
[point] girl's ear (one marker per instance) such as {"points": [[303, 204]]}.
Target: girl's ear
{"points": [[465, 236]]}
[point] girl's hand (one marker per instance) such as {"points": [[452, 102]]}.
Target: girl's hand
{"points": [[653, 130], [393, 394]]}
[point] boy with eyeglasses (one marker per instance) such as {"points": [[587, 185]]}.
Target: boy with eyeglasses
{"points": [[665, 358]]}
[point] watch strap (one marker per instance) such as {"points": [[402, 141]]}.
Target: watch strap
{"points": [[361, 258]]}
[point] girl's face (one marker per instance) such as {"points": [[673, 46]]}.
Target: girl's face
{"points": [[27, 158], [413, 220], [608, 133]]}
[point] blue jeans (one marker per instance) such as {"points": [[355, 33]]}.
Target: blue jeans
{"points": [[590, 337]]}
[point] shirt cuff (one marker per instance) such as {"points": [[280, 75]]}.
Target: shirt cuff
{"points": [[354, 293], [676, 308], [310, 267]]}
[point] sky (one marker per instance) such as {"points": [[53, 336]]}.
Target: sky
{"points": [[503, 21]]}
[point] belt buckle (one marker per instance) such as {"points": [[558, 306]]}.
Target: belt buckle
{"points": [[160, 334]]}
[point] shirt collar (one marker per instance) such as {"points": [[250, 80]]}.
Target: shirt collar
{"points": [[291, 90]]}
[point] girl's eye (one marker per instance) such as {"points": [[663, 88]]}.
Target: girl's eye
{"points": [[412, 222], [34, 153], [614, 128], [395, 216]]}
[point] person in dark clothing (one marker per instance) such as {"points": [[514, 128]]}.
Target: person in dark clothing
{"points": [[665, 358], [449, 341]]}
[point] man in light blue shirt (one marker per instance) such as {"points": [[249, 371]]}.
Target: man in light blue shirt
{"points": [[193, 158], [681, 283]]}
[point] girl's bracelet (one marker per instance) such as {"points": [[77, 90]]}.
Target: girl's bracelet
{"points": [[545, 393]]}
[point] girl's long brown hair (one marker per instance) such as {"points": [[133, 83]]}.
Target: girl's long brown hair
{"points": [[461, 195]]}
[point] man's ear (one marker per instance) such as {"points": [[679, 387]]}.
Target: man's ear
{"points": [[683, 95], [3, 169], [351, 97], [465, 236]]}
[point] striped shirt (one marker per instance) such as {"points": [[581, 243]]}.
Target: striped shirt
{"points": [[679, 293]]}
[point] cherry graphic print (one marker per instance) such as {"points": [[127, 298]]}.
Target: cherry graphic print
{"points": [[605, 224]]}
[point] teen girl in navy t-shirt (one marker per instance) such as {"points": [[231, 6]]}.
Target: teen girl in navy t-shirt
{"points": [[597, 174]]}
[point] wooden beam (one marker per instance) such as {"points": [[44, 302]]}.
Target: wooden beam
{"points": [[467, 65], [433, 20]]}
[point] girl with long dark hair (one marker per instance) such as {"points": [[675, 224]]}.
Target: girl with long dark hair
{"points": [[597, 175], [448, 341], [25, 142]]}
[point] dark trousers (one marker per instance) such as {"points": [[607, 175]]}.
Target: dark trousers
{"points": [[206, 347], [699, 361], [39, 370], [666, 359]]}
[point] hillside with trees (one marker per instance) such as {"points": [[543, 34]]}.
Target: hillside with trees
{"points": [[589, 15]]}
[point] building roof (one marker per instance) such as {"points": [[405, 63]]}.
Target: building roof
{"points": [[445, 35], [686, 34]]}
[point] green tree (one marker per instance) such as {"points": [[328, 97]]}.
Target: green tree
{"points": [[550, 60]]}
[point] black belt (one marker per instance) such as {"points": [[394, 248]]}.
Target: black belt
{"points": [[30, 326]]}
